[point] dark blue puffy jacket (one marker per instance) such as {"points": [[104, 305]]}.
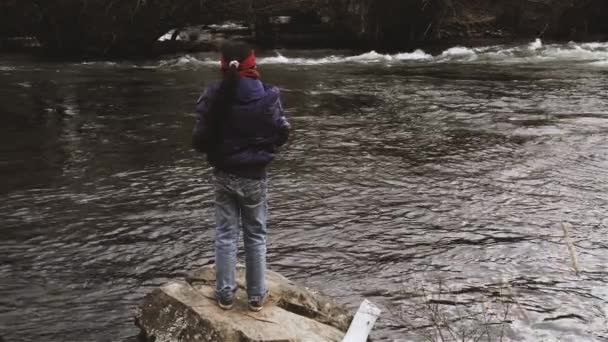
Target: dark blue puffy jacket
{"points": [[249, 133]]}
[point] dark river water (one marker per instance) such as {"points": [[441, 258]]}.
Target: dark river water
{"points": [[409, 179]]}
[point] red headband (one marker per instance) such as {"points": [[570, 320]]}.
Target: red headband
{"points": [[246, 68]]}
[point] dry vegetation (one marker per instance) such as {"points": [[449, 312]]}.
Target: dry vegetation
{"points": [[123, 26]]}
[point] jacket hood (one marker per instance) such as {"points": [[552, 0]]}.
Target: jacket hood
{"points": [[249, 90]]}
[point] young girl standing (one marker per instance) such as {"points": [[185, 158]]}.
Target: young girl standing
{"points": [[240, 124]]}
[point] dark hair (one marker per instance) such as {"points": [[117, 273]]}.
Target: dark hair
{"points": [[226, 93]]}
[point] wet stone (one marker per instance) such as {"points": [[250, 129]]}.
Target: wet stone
{"points": [[187, 311]]}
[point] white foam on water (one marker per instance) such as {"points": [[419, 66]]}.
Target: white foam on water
{"points": [[533, 52], [417, 55], [594, 46], [278, 59], [371, 56], [536, 45], [577, 53], [187, 60], [603, 63], [99, 63], [368, 57], [536, 52], [458, 53]]}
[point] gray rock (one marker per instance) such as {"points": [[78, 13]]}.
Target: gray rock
{"points": [[186, 311]]}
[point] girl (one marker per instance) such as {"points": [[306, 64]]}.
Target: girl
{"points": [[240, 124]]}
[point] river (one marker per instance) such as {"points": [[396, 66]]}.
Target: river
{"points": [[410, 177]]}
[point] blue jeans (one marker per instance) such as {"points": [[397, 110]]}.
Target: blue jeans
{"points": [[240, 201]]}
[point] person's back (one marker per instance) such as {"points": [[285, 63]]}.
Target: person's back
{"points": [[240, 125], [249, 130]]}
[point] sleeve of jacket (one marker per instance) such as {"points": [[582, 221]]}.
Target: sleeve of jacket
{"points": [[200, 133], [281, 123]]}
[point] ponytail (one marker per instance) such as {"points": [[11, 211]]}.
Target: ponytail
{"points": [[224, 98], [233, 54]]}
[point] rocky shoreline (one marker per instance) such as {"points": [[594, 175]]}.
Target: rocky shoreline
{"points": [[186, 311]]}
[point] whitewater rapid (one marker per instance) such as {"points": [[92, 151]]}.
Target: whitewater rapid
{"points": [[591, 54]]}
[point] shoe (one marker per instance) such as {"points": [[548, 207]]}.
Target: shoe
{"points": [[225, 304], [256, 303]]}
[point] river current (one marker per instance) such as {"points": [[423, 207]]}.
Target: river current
{"points": [[431, 184]]}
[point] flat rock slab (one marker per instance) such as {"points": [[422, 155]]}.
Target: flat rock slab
{"points": [[187, 311]]}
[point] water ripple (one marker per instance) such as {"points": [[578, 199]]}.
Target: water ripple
{"points": [[394, 178]]}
